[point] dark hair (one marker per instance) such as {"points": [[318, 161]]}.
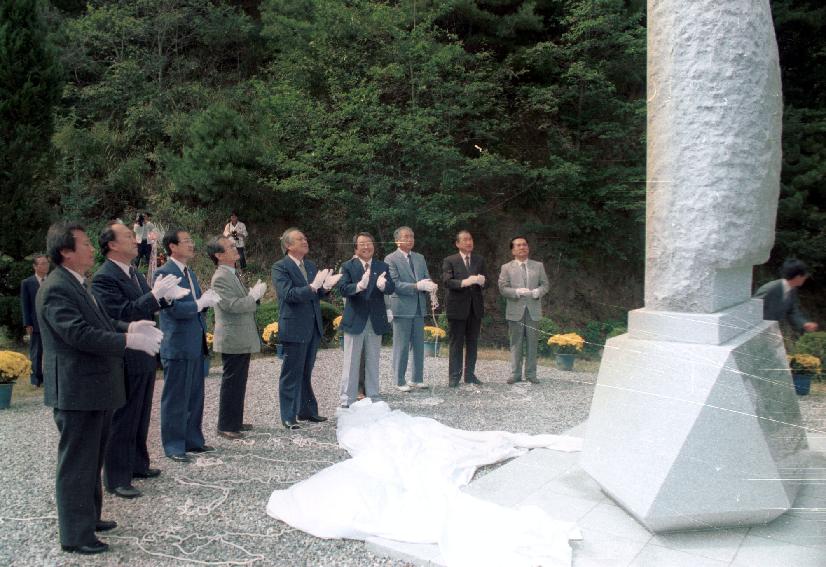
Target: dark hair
{"points": [[107, 235], [515, 238], [793, 268], [37, 257], [139, 220], [214, 247], [61, 237], [367, 234], [171, 237], [461, 232], [233, 213]]}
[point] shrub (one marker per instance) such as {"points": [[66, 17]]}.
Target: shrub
{"points": [[616, 331], [11, 316], [267, 313], [812, 343], [547, 328], [328, 313]]}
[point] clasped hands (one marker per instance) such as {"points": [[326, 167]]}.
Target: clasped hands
{"points": [[258, 290], [166, 287], [144, 336], [426, 285], [525, 292], [474, 280], [326, 279]]}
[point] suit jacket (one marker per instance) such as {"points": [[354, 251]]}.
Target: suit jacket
{"points": [[460, 301], [776, 307], [28, 293], [369, 303], [235, 329], [511, 278], [83, 348], [122, 300], [299, 307], [407, 301], [184, 328]]}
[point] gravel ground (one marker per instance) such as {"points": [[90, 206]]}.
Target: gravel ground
{"points": [[212, 511]]}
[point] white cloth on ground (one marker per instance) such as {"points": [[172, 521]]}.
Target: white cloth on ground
{"points": [[403, 484]]}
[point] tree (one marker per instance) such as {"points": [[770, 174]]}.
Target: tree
{"points": [[30, 87]]}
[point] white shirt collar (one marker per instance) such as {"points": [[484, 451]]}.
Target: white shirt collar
{"points": [[297, 261], [122, 266], [180, 265], [79, 278], [786, 287], [464, 256]]}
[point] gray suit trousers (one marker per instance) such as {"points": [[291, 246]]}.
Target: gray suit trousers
{"points": [[524, 337], [408, 334], [370, 343]]}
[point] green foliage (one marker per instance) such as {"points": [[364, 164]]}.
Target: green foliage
{"points": [[547, 327], [30, 86], [12, 273], [812, 343], [267, 313], [328, 313], [11, 316], [616, 331]]}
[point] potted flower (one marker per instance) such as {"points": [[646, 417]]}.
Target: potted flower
{"points": [[803, 367], [270, 336], [433, 336], [566, 347], [339, 335], [13, 366]]}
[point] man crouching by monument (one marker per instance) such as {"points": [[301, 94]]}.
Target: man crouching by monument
{"points": [[299, 286], [235, 336], [780, 300], [83, 370]]}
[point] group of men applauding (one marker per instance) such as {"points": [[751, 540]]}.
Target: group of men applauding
{"points": [[100, 344]]}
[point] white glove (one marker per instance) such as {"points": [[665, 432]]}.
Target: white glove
{"points": [[319, 278], [381, 281], [331, 281], [210, 298], [467, 282], [535, 293], [480, 280], [389, 316], [258, 290], [165, 286], [426, 285], [137, 326], [364, 281], [145, 338], [522, 292], [177, 293]]}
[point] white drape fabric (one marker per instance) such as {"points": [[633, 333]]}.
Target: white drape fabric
{"points": [[403, 484]]}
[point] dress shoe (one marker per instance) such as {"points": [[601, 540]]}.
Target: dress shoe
{"points": [[533, 380], [453, 383], [125, 491], [230, 434], [419, 385], [290, 424], [404, 388], [88, 549], [314, 418], [179, 458], [473, 380], [148, 473], [246, 427], [204, 449], [105, 525]]}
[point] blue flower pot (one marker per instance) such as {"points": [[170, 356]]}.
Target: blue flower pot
{"points": [[432, 348], [5, 395], [802, 383], [565, 362]]}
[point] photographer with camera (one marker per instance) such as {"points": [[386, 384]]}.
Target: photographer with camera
{"points": [[236, 231]]}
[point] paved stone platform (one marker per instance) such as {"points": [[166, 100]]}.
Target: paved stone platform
{"points": [[611, 538]]}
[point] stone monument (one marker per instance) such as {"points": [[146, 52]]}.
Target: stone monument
{"points": [[695, 423]]}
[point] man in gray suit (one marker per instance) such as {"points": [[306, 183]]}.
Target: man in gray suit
{"points": [[408, 307], [523, 282], [780, 301], [235, 336]]}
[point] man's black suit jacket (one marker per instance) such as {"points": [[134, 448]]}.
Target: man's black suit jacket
{"points": [[28, 295], [122, 300], [82, 347], [461, 302]]}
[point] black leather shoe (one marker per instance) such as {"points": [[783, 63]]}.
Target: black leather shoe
{"points": [[125, 491], [179, 458], [89, 549], [313, 418], [204, 449], [290, 424], [453, 383], [246, 427], [148, 473], [473, 380], [230, 434], [105, 525]]}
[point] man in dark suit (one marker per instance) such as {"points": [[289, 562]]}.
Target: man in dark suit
{"points": [[299, 286], [28, 292], [780, 300], [464, 276], [83, 369], [124, 295], [365, 281], [182, 353]]}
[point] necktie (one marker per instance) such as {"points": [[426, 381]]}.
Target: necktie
{"points": [[191, 285], [366, 266], [134, 275], [467, 263], [525, 273], [410, 261], [303, 270]]}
